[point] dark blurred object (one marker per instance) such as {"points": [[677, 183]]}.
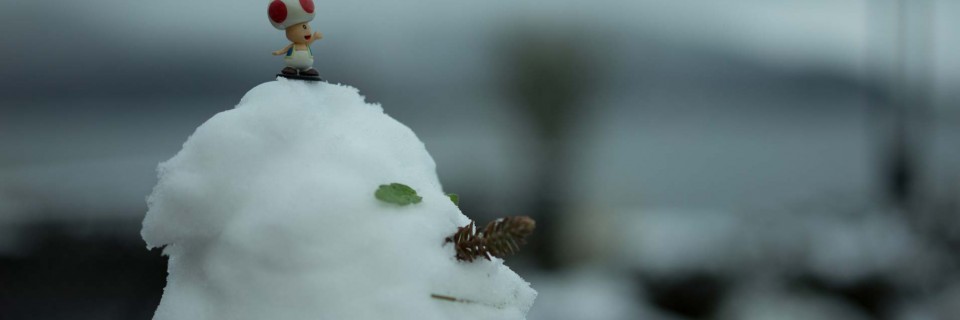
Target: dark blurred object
{"points": [[871, 294], [81, 276], [549, 76], [696, 296]]}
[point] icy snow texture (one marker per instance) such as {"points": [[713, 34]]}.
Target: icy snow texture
{"points": [[268, 213]]}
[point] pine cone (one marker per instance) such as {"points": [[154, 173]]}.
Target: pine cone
{"points": [[499, 238]]}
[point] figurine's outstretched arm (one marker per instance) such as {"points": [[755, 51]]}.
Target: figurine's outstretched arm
{"points": [[282, 51], [316, 36]]}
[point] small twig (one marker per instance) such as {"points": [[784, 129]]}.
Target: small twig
{"points": [[448, 298], [458, 300]]}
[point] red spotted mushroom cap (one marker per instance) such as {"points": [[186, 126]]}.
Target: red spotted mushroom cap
{"points": [[285, 13]]}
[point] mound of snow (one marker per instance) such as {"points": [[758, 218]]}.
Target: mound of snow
{"points": [[269, 212]]}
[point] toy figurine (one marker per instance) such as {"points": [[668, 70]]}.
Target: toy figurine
{"points": [[293, 16]]}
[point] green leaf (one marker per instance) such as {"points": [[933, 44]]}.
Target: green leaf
{"points": [[397, 193], [455, 198]]}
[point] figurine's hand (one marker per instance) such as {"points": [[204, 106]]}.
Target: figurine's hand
{"points": [[317, 35], [278, 52]]}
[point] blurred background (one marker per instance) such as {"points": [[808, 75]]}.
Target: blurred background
{"points": [[743, 159]]}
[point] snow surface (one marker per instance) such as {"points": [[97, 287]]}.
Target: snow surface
{"points": [[833, 244], [589, 293], [763, 300], [268, 213]]}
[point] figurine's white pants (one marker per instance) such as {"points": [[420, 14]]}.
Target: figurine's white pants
{"points": [[300, 60]]}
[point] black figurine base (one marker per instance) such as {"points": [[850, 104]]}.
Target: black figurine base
{"points": [[300, 77]]}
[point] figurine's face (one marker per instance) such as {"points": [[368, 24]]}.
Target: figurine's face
{"points": [[299, 33]]}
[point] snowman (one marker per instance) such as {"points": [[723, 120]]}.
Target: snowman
{"points": [[293, 17], [304, 202]]}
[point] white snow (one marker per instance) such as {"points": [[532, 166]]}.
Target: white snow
{"points": [[268, 213], [588, 293], [837, 244], [765, 300]]}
